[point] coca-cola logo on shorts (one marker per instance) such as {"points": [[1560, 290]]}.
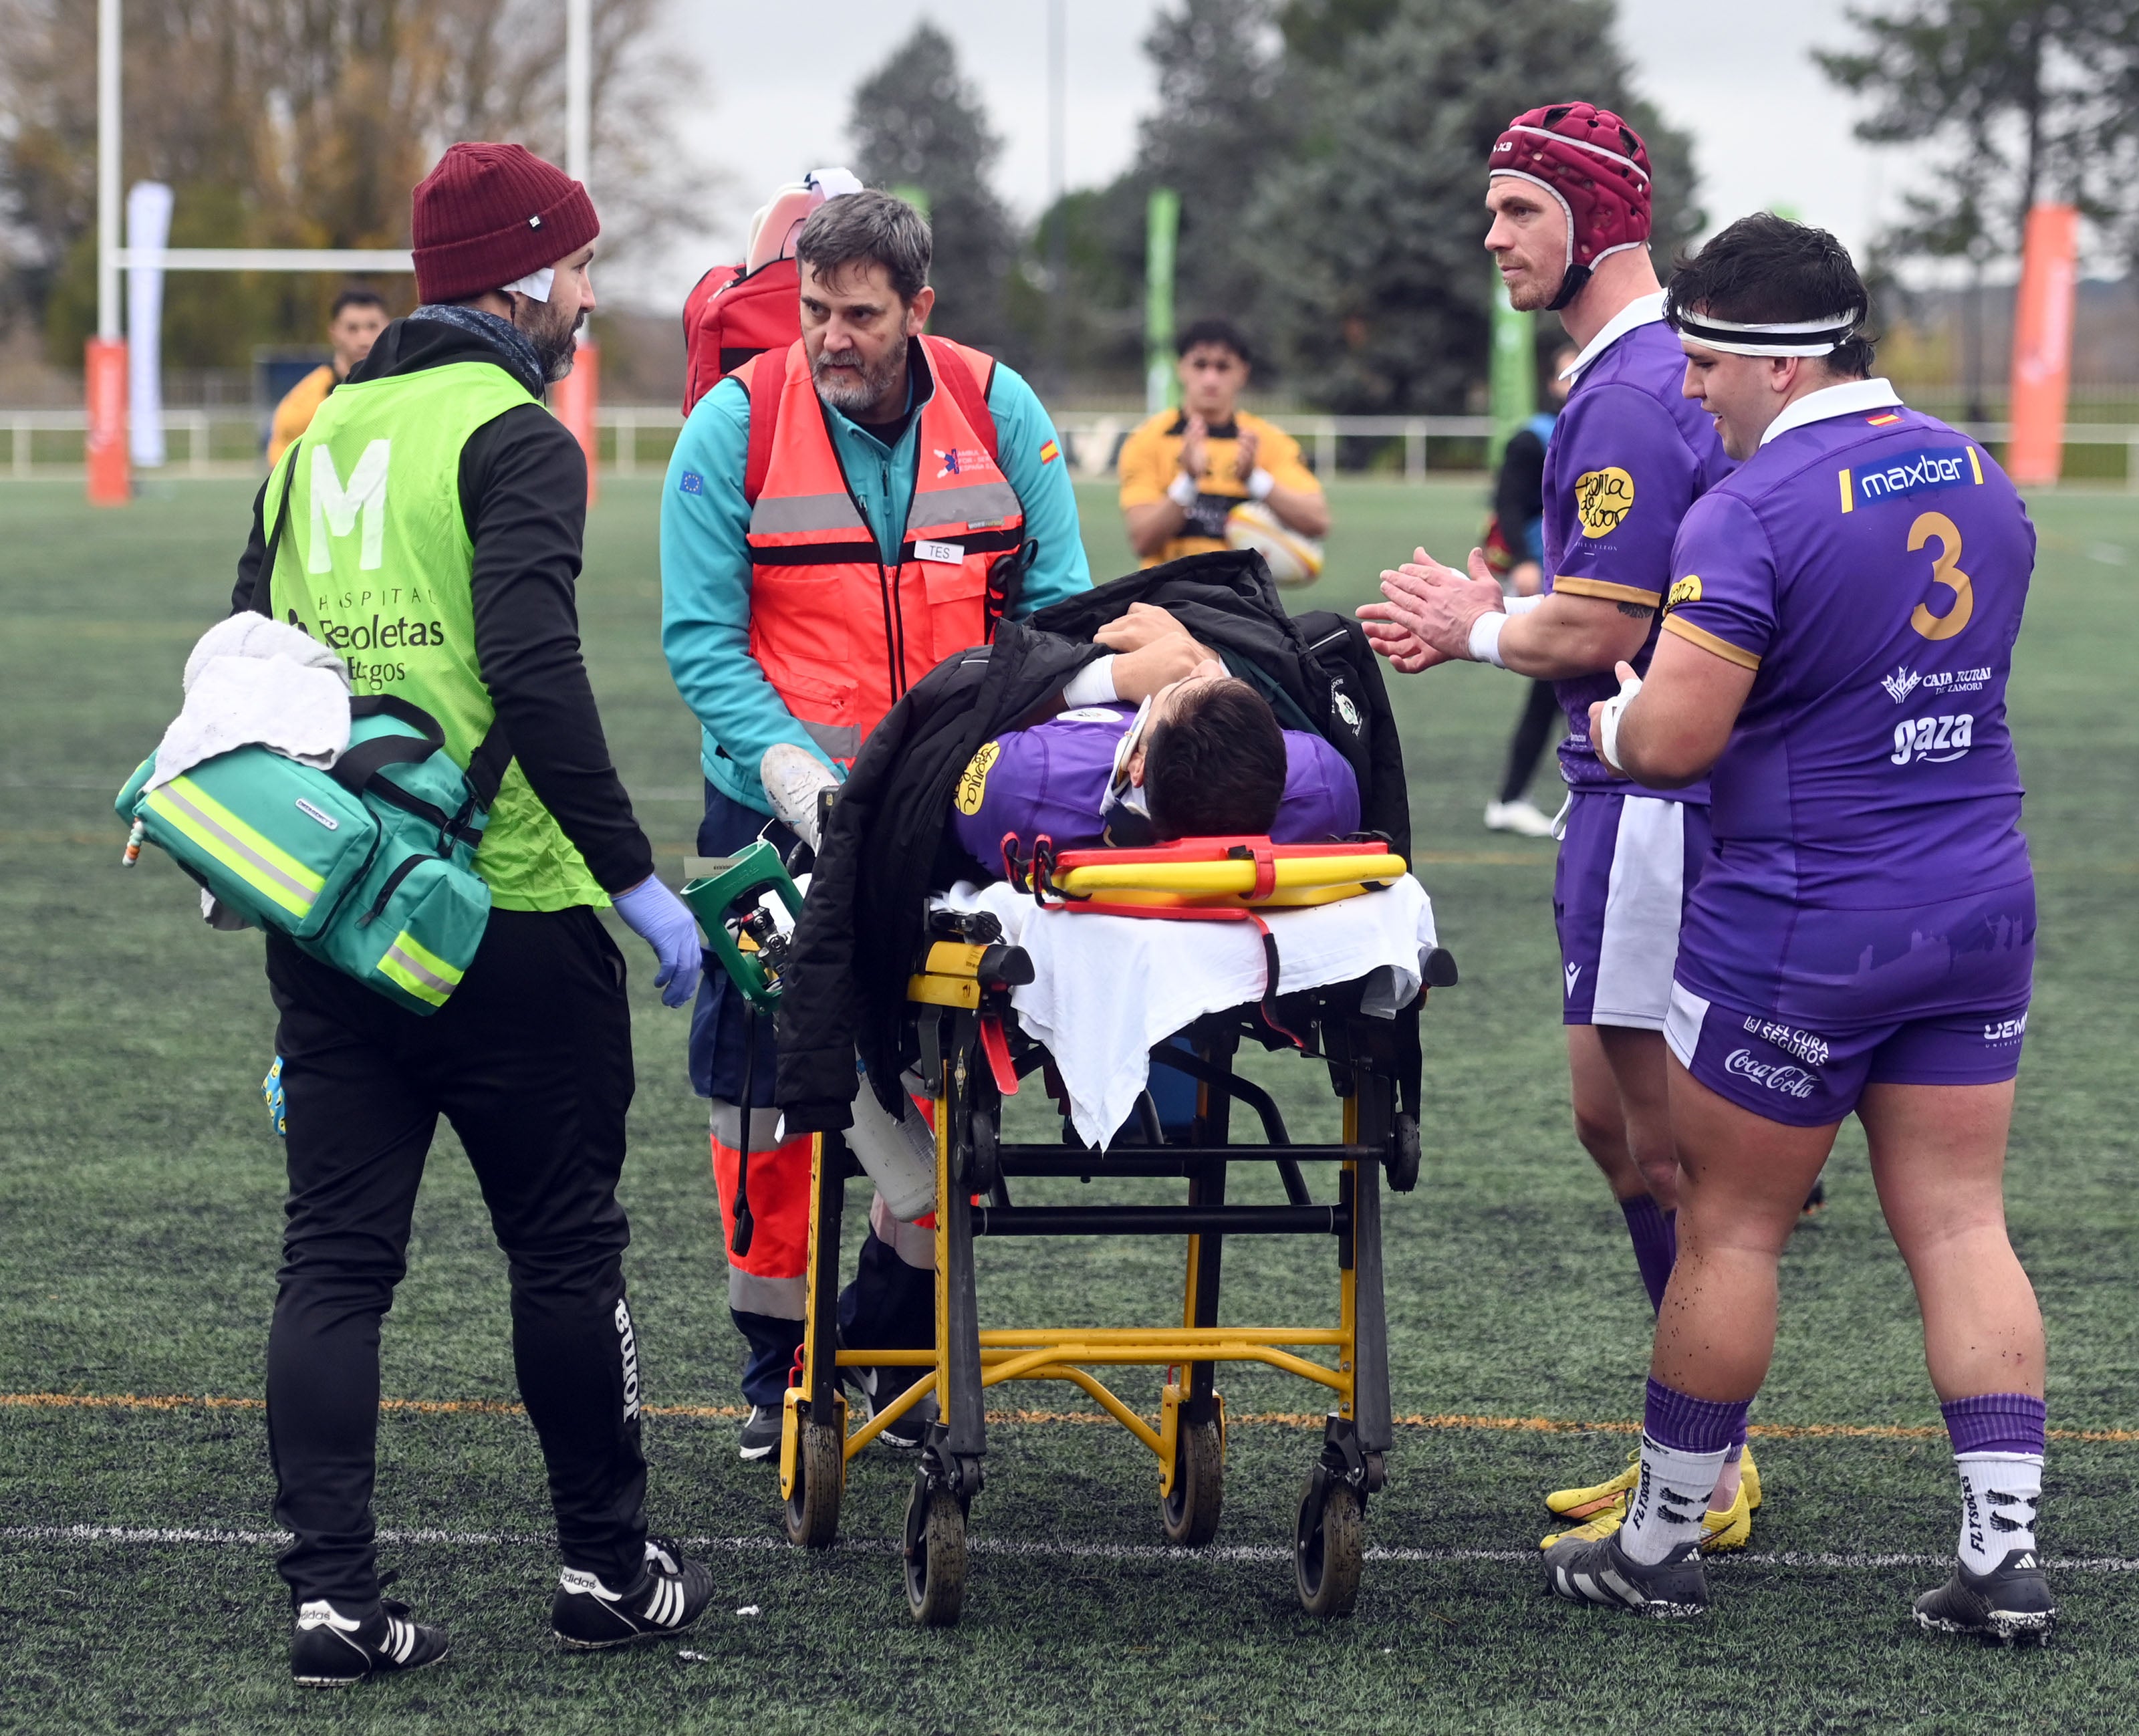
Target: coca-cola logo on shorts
{"points": [[1774, 1075]]}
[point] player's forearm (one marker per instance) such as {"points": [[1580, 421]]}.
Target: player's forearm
{"points": [[1304, 510], [1153, 524], [1565, 636]]}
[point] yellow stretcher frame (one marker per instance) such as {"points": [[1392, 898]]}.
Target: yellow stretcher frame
{"points": [[813, 1455]]}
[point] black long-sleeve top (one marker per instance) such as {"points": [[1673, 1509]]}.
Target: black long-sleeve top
{"points": [[523, 489]]}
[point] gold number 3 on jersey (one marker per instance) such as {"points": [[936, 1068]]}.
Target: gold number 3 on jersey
{"points": [[1946, 570]]}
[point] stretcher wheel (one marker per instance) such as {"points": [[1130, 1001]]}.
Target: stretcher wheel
{"points": [[1191, 1512], [1328, 1545], [935, 1555], [820, 1474]]}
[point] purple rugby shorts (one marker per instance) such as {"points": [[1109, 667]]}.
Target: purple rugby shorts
{"points": [[1804, 1079], [1626, 863]]}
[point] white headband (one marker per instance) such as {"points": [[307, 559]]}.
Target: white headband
{"points": [[1823, 336]]}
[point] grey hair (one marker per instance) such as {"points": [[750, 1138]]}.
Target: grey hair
{"points": [[869, 227]]}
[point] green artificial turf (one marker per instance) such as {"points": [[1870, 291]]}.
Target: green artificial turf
{"points": [[139, 1190]]}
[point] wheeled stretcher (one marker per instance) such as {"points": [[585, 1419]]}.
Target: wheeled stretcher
{"points": [[967, 1047]]}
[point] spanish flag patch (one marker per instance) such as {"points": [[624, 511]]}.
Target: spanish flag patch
{"points": [[1885, 421], [1049, 452]]}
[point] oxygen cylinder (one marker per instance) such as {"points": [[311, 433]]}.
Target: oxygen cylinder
{"points": [[900, 1155]]}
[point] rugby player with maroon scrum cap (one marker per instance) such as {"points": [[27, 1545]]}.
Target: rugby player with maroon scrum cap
{"points": [[1842, 616], [1570, 195]]}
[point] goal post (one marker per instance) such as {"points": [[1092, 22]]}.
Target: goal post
{"points": [[104, 382]]}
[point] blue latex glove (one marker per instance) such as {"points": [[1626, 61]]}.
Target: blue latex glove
{"points": [[271, 1094], [664, 921]]}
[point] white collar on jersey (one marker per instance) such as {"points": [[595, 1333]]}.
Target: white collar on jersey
{"points": [[1642, 311], [1848, 399]]}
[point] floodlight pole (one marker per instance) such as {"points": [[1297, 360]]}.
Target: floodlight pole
{"points": [[1058, 179]]}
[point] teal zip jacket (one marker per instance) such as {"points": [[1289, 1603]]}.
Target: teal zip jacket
{"points": [[706, 566]]}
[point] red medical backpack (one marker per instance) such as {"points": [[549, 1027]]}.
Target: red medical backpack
{"points": [[732, 315]]}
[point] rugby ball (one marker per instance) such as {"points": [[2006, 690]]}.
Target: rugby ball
{"points": [[1293, 560]]}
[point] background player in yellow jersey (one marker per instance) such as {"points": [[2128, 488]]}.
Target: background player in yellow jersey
{"points": [[356, 318], [1184, 470]]}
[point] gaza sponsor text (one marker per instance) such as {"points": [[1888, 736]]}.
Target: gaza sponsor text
{"points": [[1808, 1047], [1935, 739], [1773, 1075]]}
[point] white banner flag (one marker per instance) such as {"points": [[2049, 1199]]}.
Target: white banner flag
{"points": [[148, 225]]}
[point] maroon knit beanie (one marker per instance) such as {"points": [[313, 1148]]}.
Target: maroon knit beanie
{"points": [[488, 215]]}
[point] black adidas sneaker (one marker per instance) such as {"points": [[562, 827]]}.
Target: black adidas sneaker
{"points": [[330, 1649], [670, 1594], [1585, 1570], [2012, 1601]]}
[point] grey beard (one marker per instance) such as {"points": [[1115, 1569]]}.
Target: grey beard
{"points": [[552, 339], [849, 389]]}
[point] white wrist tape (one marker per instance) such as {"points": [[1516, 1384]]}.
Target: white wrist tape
{"points": [[1260, 481], [1523, 606], [1485, 646], [1092, 685], [1182, 490], [1607, 719]]}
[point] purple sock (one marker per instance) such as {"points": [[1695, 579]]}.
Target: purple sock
{"points": [[1997, 1422], [1656, 1244], [1685, 1423]]}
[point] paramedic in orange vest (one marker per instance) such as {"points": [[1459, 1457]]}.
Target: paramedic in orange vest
{"points": [[837, 519]]}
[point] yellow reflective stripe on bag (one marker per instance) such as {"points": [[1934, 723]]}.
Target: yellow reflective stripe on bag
{"points": [[274, 873], [422, 972]]}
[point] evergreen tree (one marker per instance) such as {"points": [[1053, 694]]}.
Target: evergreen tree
{"points": [[918, 121], [1376, 286], [2028, 100]]}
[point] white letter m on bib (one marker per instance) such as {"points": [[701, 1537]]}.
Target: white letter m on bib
{"points": [[336, 509]]}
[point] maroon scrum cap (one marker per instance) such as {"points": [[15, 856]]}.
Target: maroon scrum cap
{"points": [[1597, 168], [488, 215]]}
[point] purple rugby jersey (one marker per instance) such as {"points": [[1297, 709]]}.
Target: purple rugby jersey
{"points": [[1052, 779], [1627, 456], [1871, 568]]}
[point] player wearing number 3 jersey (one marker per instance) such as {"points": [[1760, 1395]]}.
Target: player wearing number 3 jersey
{"points": [[1838, 633]]}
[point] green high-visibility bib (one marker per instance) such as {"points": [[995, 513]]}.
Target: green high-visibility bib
{"points": [[375, 561]]}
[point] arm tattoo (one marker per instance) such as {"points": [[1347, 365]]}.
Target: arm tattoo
{"points": [[1636, 611]]}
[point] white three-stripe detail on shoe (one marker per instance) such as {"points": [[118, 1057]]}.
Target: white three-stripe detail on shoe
{"points": [[400, 1639], [666, 1604], [1628, 1595]]}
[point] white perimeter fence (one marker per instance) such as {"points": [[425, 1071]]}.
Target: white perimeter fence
{"points": [[636, 440]]}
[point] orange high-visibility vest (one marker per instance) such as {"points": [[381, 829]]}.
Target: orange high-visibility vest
{"points": [[841, 633]]}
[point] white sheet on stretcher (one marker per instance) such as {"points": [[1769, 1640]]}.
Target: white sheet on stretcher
{"points": [[1107, 988]]}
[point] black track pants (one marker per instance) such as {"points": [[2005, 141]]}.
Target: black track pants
{"points": [[1534, 734], [530, 1061]]}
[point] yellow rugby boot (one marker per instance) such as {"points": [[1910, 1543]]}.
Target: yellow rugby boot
{"points": [[1748, 1479], [1721, 1529], [1599, 1498]]}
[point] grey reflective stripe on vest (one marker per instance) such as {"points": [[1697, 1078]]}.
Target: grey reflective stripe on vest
{"points": [[979, 503], [914, 1244], [839, 741], [727, 1121], [781, 1298], [784, 514]]}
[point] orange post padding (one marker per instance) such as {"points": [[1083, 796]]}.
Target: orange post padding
{"points": [[2042, 344]]}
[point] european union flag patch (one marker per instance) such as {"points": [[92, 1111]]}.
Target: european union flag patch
{"points": [[692, 482]]}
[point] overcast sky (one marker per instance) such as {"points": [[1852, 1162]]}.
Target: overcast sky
{"points": [[1768, 129]]}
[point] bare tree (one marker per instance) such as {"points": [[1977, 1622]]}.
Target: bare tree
{"points": [[305, 123]]}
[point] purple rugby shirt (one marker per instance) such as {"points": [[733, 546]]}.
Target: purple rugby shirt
{"points": [[1871, 568], [1052, 778], [1628, 456]]}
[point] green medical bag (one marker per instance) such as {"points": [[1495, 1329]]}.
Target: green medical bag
{"points": [[369, 867]]}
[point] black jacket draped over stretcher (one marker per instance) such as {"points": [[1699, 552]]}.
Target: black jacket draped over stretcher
{"points": [[889, 845]]}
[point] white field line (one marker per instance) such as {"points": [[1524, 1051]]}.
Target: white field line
{"points": [[231, 1536]]}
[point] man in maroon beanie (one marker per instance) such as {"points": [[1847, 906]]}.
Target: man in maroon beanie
{"points": [[427, 527]]}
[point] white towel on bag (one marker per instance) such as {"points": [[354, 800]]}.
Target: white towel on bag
{"points": [[253, 681]]}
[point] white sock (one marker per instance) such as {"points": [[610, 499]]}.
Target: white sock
{"points": [[1998, 1495], [1669, 1501]]}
